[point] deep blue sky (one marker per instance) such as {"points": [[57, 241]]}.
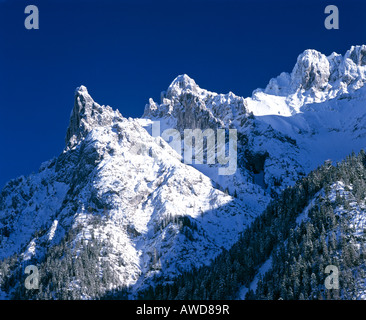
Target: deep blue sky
{"points": [[125, 52]]}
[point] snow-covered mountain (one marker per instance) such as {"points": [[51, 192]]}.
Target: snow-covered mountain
{"points": [[308, 244], [119, 184], [320, 104], [260, 147], [315, 78], [155, 214]]}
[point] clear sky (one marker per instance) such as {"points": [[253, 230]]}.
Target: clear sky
{"points": [[125, 52]]}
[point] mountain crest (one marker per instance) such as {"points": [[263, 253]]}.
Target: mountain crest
{"points": [[315, 72], [312, 70], [86, 115], [357, 54], [181, 84]]}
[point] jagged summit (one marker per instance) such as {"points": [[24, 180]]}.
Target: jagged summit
{"points": [[311, 71], [86, 115], [317, 72], [81, 89], [187, 106], [183, 81], [315, 78], [357, 54], [182, 84]]}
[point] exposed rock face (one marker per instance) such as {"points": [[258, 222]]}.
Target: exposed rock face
{"points": [[311, 71], [189, 106], [357, 55], [316, 78], [185, 105], [87, 115]]}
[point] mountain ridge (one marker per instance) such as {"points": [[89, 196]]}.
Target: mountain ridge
{"points": [[120, 198]]}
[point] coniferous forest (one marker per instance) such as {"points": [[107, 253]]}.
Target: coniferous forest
{"points": [[332, 233], [313, 224]]}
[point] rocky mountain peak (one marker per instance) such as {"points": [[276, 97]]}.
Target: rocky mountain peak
{"points": [[357, 54], [180, 84], [312, 70], [86, 115], [181, 102]]}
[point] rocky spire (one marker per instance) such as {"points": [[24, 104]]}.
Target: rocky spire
{"points": [[312, 70], [86, 115], [181, 84]]}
